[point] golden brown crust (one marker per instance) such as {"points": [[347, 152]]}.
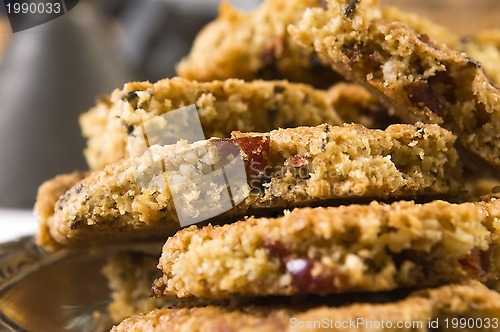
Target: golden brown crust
{"points": [[353, 248], [48, 194], [468, 300], [223, 106], [285, 168], [419, 77]]}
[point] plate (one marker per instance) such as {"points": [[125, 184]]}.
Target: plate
{"points": [[55, 291]]}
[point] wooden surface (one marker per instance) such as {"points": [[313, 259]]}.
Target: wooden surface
{"points": [[462, 16], [5, 34]]}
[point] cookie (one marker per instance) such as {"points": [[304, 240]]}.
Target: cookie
{"points": [[48, 194], [355, 248], [280, 169], [421, 78], [431, 309], [129, 276], [223, 106], [255, 45], [260, 41]]}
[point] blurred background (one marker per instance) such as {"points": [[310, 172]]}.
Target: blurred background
{"points": [[52, 73]]}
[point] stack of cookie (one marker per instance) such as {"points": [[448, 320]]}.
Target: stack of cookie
{"points": [[347, 220]]}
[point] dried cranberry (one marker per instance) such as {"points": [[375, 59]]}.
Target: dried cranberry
{"points": [[276, 248], [297, 161], [301, 271], [256, 152], [476, 263], [420, 93]]}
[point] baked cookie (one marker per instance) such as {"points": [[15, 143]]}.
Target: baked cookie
{"points": [[421, 311], [48, 194], [421, 78], [355, 248], [223, 106], [280, 169], [255, 45]]}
